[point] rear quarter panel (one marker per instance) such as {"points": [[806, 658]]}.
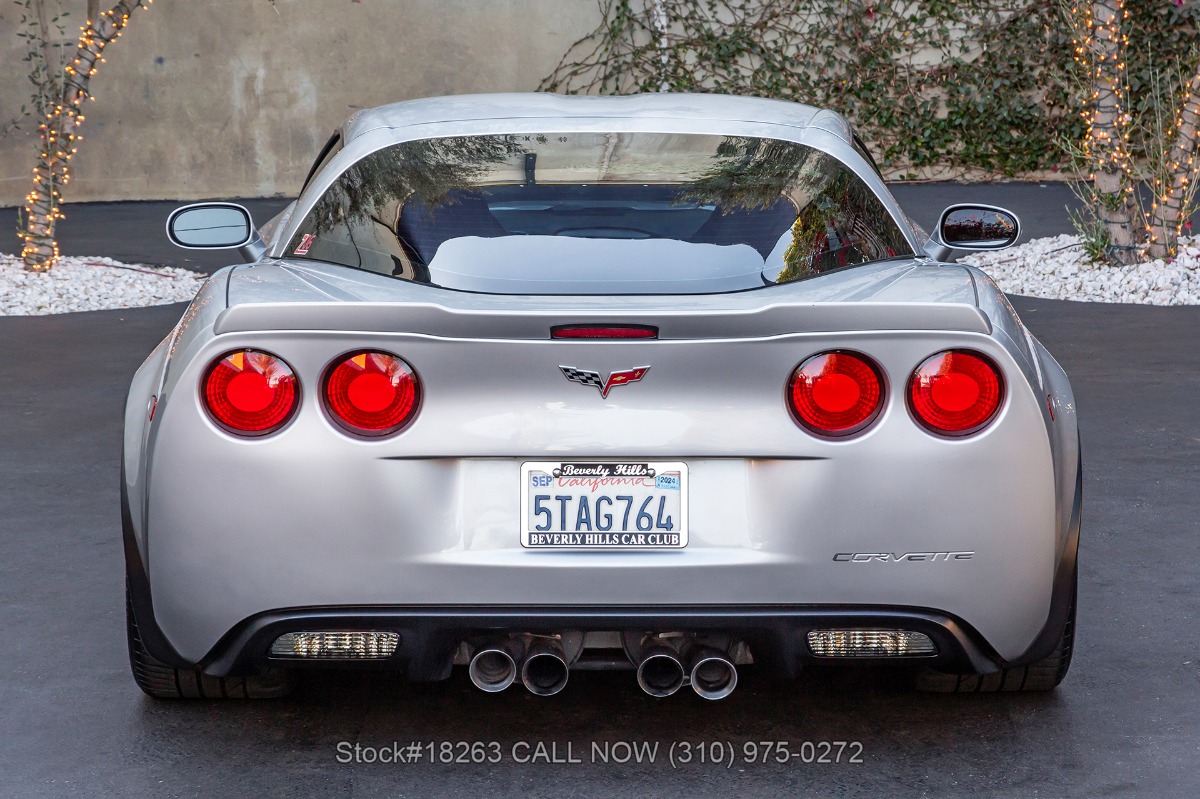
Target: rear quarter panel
{"points": [[1048, 380], [149, 383]]}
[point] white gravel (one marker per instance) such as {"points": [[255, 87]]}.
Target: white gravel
{"points": [[1055, 268], [91, 284], [1058, 269]]}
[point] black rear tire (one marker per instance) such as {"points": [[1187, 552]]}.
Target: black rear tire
{"points": [[1044, 675], [164, 682]]}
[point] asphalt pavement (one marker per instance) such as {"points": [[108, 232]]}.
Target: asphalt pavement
{"points": [[72, 723]]}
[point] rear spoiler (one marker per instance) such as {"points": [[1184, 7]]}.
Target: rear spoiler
{"points": [[690, 323]]}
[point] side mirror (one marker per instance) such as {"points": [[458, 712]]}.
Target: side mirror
{"points": [[215, 226], [974, 228]]}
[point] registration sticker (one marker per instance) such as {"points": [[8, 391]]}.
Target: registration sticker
{"points": [[604, 505]]}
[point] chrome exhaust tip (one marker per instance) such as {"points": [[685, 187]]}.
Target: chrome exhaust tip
{"points": [[544, 671], [660, 672], [713, 675], [493, 668]]}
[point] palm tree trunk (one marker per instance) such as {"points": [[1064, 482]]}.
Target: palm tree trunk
{"points": [[58, 133], [1109, 125], [1175, 190]]}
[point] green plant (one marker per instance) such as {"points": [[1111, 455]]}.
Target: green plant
{"points": [[1097, 242], [971, 88]]}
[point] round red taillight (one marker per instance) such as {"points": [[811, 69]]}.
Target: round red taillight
{"points": [[250, 393], [836, 393], [956, 393], [371, 393]]}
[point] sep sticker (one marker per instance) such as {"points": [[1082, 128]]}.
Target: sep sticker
{"points": [[306, 242]]}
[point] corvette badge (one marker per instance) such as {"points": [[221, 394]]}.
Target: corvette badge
{"points": [[615, 379]]}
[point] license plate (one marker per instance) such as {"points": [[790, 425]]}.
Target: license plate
{"points": [[609, 505]]}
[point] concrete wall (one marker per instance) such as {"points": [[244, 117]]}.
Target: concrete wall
{"points": [[227, 98]]}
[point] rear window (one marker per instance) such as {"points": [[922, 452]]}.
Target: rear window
{"points": [[599, 213]]}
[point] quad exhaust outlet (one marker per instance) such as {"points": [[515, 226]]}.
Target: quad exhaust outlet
{"points": [[660, 671], [712, 673], [494, 667], [664, 664], [544, 671]]}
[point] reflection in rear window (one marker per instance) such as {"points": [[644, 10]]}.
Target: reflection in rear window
{"points": [[599, 213]]}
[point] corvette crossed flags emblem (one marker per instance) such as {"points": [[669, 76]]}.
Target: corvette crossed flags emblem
{"points": [[615, 379]]}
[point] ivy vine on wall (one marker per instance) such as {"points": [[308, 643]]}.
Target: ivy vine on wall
{"points": [[954, 88]]}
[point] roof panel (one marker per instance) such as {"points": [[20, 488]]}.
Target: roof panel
{"points": [[534, 105]]}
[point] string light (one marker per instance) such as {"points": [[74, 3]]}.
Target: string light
{"points": [[59, 135], [1173, 185], [1099, 47]]}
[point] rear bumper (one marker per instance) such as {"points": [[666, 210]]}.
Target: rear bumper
{"points": [[215, 564], [429, 638], [776, 634]]}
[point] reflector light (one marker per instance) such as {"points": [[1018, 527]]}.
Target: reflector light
{"points": [[956, 393], [336, 645], [372, 393], [250, 392], [604, 331], [836, 393], [870, 643]]}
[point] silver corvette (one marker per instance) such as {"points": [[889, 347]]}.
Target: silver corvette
{"points": [[534, 385]]}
